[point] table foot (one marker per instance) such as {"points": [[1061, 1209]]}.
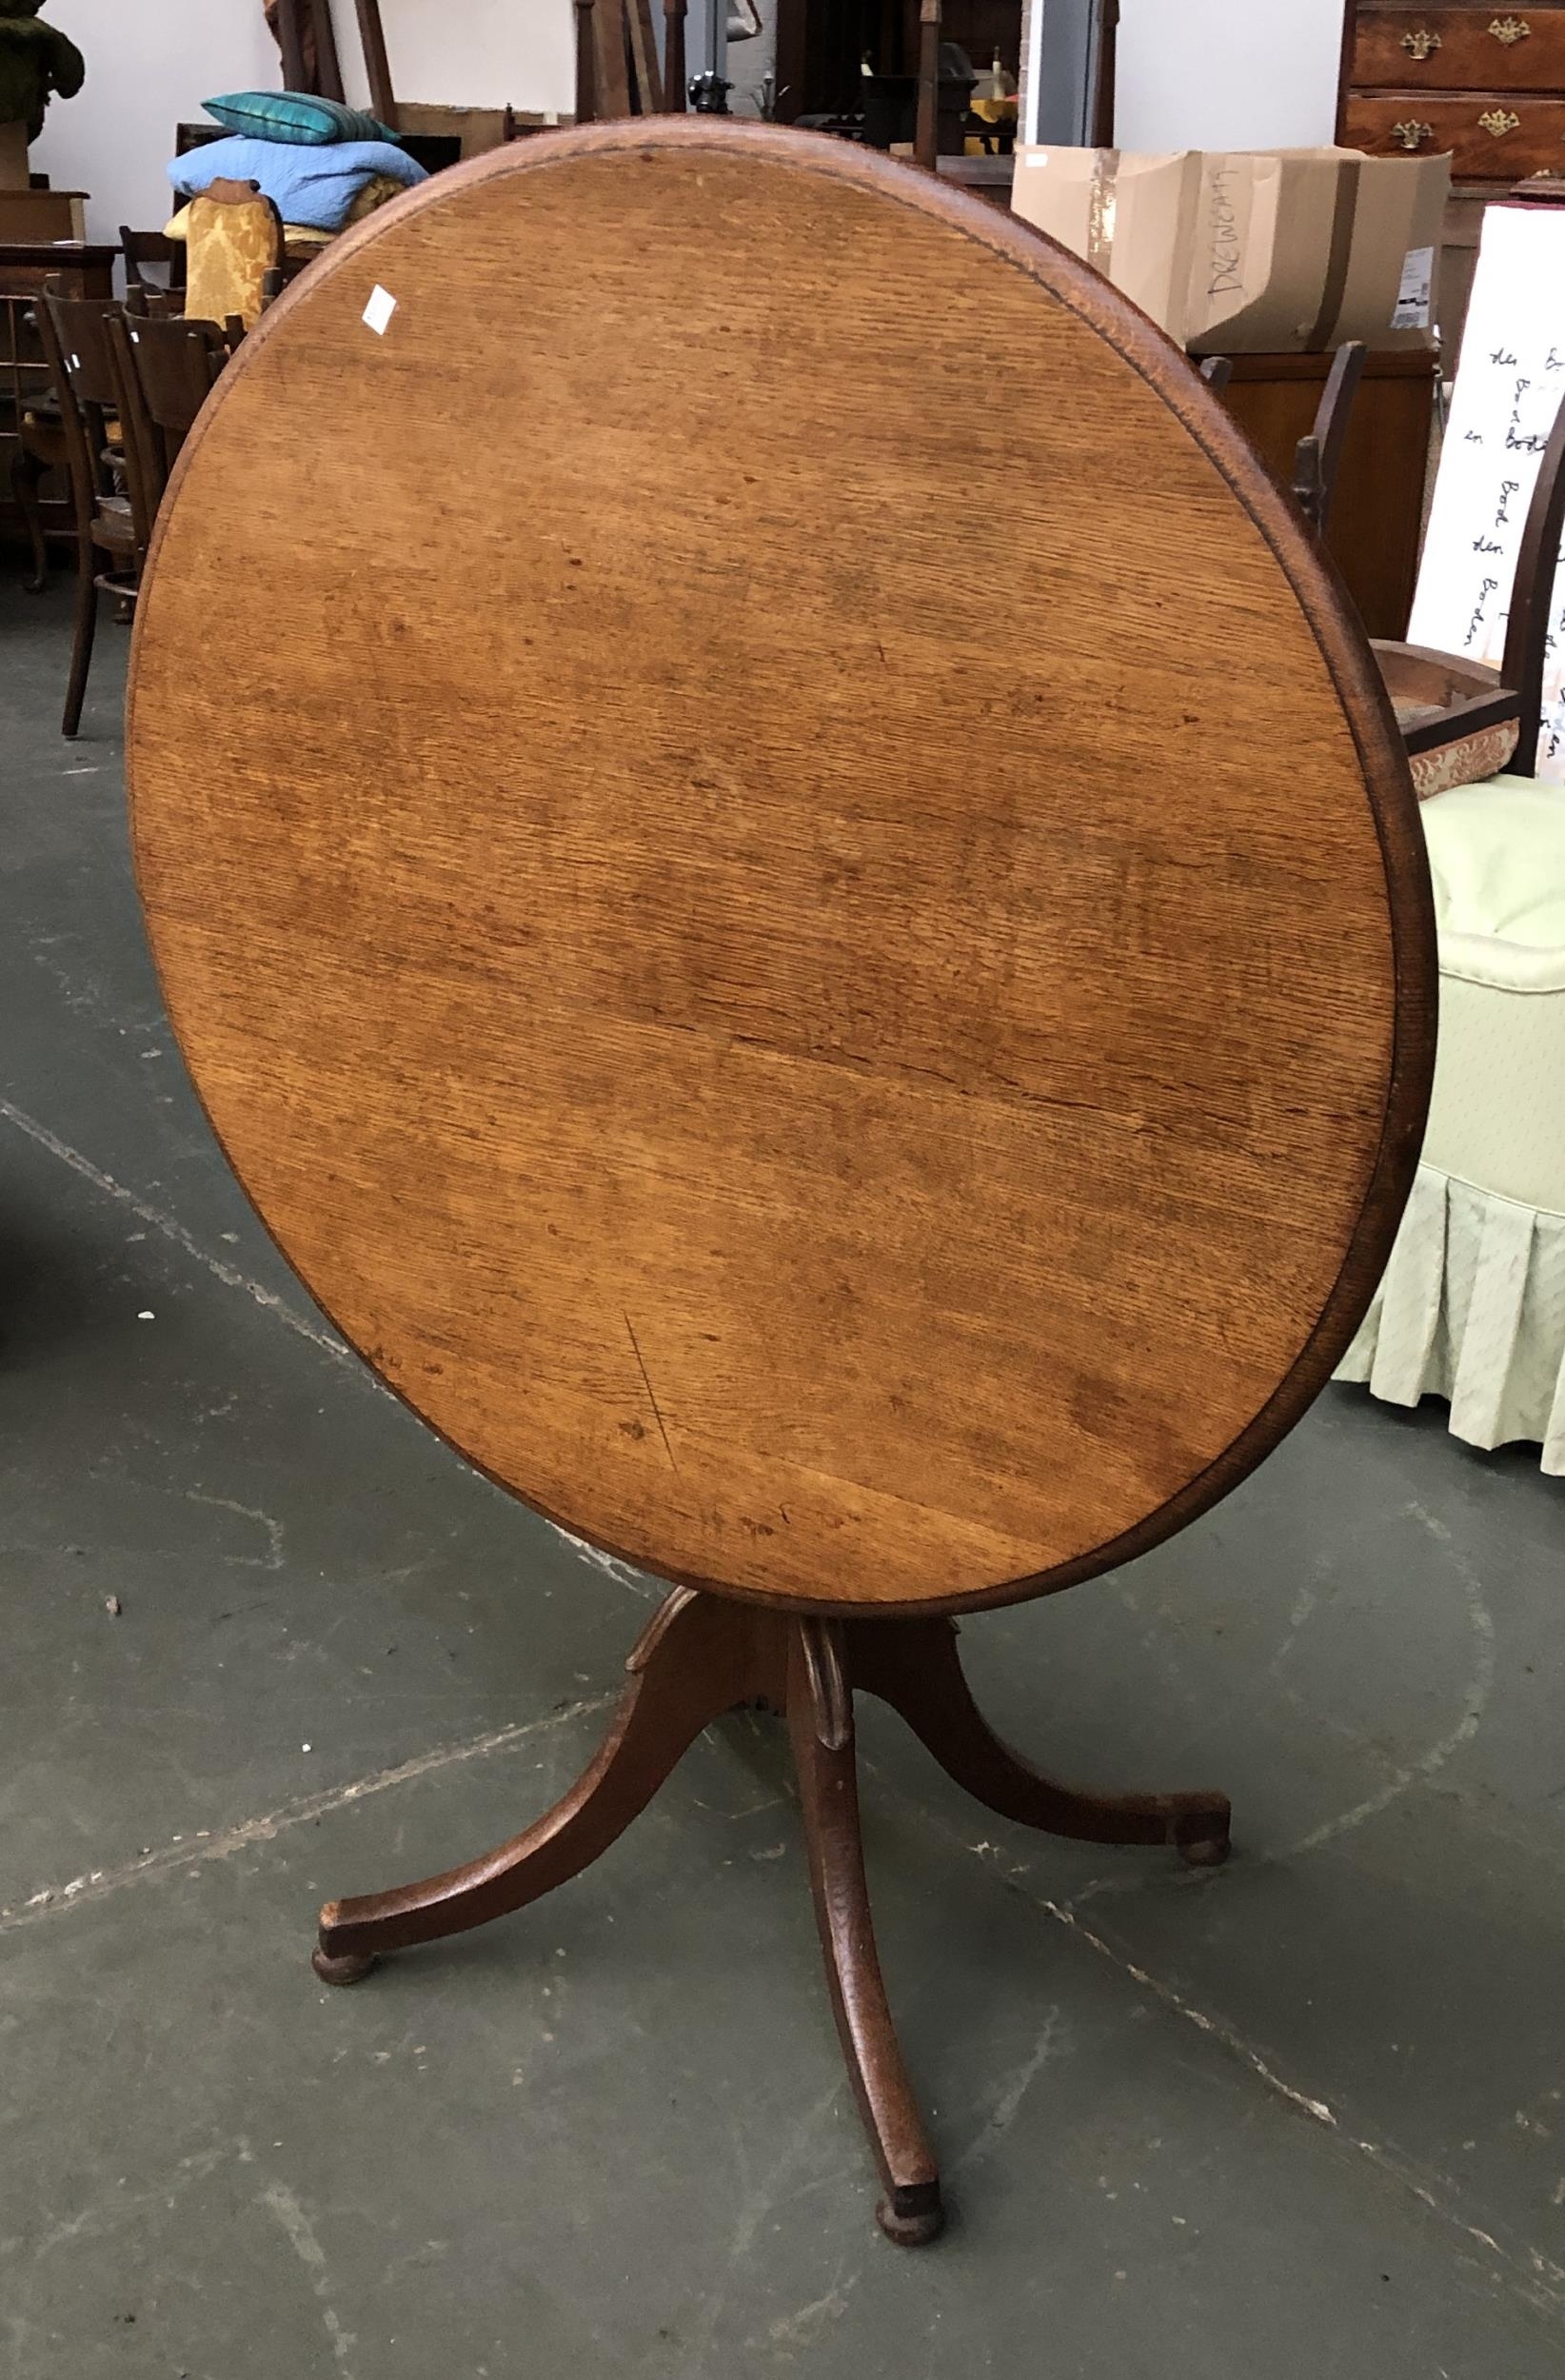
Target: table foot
{"points": [[914, 2229], [347, 1968]]}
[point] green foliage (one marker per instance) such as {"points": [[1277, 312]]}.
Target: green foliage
{"points": [[36, 60]]}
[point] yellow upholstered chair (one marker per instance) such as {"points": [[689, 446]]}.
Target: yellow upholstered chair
{"points": [[234, 247]]}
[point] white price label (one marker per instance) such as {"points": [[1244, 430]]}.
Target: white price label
{"points": [[380, 309], [1410, 311]]}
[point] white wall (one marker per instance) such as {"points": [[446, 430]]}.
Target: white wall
{"points": [[1193, 73], [151, 63], [467, 53], [1228, 74]]}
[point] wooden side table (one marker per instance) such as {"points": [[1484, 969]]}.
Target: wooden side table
{"points": [[854, 1179]]}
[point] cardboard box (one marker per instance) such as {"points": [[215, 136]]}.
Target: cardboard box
{"points": [[1270, 251]]}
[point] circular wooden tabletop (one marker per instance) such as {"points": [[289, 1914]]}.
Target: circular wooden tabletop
{"points": [[779, 869]]}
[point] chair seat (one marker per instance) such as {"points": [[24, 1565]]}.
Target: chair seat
{"points": [[1472, 1303], [1496, 855], [1458, 721], [112, 527]]}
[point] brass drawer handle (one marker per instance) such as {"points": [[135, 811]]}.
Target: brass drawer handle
{"points": [[1499, 121], [1510, 29], [1411, 135], [1420, 45]]}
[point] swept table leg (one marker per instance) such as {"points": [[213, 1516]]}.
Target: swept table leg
{"points": [[697, 1659], [915, 1666], [820, 1722]]}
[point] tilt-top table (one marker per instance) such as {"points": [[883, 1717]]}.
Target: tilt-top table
{"points": [[859, 1049]]}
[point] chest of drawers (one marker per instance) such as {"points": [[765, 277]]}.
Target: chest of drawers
{"points": [[1485, 84]]}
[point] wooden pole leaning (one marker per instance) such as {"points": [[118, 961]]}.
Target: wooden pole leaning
{"points": [[383, 97], [673, 56], [586, 63], [926, 133]]}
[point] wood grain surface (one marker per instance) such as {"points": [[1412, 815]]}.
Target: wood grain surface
{"points": [[855, 1033]]}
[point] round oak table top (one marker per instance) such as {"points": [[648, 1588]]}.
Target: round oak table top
{"points": [[779, 869]]}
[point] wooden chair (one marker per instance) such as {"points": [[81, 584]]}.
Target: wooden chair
{"points": [[1318, 457], [1461, 720], [143, 248], [146, 304], [235, 247], [168, 370], [112, 531]]}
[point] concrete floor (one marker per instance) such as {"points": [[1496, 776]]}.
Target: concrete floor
{"points": [[1303, 2117]]}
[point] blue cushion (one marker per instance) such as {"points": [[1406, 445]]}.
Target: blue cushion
{"points": [[314, 186], [295, 117]]}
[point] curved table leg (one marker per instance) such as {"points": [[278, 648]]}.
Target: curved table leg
{"points": [[85, 630], [699, 1656], [820, 1722], [27, 471], [914, 1665]]}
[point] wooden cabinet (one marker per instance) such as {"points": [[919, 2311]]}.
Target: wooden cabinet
{"points": [[1485, 85]]}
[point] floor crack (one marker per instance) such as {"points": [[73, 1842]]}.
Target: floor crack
{"points": [[177, 1856]]}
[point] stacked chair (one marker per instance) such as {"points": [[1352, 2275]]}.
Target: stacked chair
{"points": [[128, 382], [128, 386]]}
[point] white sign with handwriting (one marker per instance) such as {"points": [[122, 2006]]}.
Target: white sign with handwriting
{"points": [[1510, 384]]}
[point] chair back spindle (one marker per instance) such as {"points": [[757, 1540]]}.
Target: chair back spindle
{"points": [[142, 248], [1532, 595], [173, 368], [1319, 455], [586, 63], [75, 338], [927, 129], [673, 57]]}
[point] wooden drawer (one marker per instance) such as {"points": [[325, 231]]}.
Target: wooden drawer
{"points": [[1484, 49], [1489, 136]]}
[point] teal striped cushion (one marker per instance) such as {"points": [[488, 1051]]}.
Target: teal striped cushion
{"points": [[295, 117]]}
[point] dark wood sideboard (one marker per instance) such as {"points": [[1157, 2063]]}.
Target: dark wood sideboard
{"points": [[87, 271]]}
